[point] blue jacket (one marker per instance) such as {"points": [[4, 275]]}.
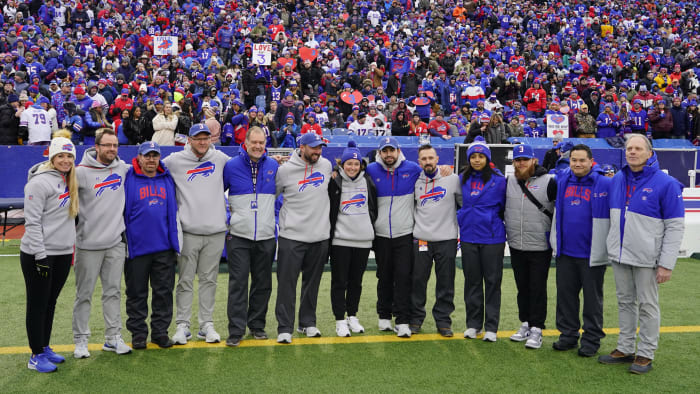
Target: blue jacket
{"points": [[252, 206], [646, 217], [394, 196], [481, 216], [585, 201], [150, 212]]}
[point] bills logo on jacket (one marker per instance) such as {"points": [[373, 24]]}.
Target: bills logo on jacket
{"points": [[64, 198], [357, 201], [113, 182], [315, 179], [205, 169], [435, 195]]}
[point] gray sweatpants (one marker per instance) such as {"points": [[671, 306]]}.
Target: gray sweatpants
{"points": [[108, 265], [200, 256], [294, 257], [637, 300]]}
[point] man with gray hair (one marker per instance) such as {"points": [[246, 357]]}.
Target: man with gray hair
{"points": [[646, 230]]}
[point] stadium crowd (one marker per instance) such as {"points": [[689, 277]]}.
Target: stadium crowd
{"points": [[466, 68], [483, 70]]}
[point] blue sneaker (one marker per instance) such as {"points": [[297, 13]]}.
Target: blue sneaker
{"points": [[53, 357], [41, 363]]}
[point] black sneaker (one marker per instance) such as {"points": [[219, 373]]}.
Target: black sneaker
{"points": [[563, 346], [616, 357], [587, 352], [260, 334], [446, 332], [233, 340], [163, 342], [138, 344], [415, 328]]}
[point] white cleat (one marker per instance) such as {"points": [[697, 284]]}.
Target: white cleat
{"points": [[355, 325], [341, 328]]}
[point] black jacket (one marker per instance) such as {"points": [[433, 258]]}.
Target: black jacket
{"points": [[335, 190], [9, 125]]}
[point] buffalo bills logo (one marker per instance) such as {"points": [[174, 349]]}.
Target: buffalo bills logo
{"points": [[205, 169], [67, 147], [435, 195], [315, 179], [357, 201], [647, 190], [113, 182], [64, 198], [576, 202]]}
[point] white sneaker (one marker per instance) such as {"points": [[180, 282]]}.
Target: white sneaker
{"points": [[403, 331], [385, 325], [535, 340], [490, 336], [182, 334], [81, 349], [311, 332], [355, 325], [116, 344], [523, 333], [284, 337], [341, 328], [471, 333], [208, 333]]}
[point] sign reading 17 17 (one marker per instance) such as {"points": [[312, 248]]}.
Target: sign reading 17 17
{"points": [[262, 54]]}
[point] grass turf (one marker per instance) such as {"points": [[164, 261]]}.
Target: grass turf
{"points": [[409, 366]]}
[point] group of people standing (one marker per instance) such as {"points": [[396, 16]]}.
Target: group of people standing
{"points": [[172, 213]]}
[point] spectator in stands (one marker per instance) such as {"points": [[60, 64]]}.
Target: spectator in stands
{"points": [[552, 155], [497, 132], [608, 123], [9, 123], [400, 126], [477, 128], [681, 120], [694, 122], [515, 128], [536, 100], [164, 125], [46, 265], [310, 126], [593, 103], [584, 123], [660, 120], [417, 126], [439, 128], [643, 243]]}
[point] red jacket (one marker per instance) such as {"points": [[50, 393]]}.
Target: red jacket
{"points": [[311, 128], [536, 99]]}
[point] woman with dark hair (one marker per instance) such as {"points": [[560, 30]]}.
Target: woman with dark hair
{"points": [[132, 126], [483, 237], [400, 125]]}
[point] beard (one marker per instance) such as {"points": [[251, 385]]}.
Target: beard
{"points": [[525, 173]]}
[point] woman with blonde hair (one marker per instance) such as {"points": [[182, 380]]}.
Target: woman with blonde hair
{"points": [[164, 125], [46, 249]]}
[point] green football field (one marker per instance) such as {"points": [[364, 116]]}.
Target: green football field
{"points": [[370, 362]]}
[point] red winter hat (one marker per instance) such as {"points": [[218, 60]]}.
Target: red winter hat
{"points": [[79, 90]]}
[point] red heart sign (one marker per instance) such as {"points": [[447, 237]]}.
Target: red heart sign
{"points": [[284, 60], [98, 40], [371, 98], [351, 98], [344, 16], [421, 101], [306, 53], [349, 43]]}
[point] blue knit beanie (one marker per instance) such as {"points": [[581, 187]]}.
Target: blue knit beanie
{"points": [[351, 152]]}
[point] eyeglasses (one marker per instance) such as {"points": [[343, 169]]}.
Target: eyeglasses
{"points": [[109, 145]]}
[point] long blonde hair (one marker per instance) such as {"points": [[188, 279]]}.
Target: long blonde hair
{"points": [[72, 181]]}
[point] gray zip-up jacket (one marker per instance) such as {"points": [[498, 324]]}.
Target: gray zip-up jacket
{"points": [[48, 228], [199, 189], [101, 192], [436, 201], [527, 228], [304, 215], [353, 227]]}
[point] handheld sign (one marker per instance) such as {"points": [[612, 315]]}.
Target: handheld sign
{"points": [[262, 54]]}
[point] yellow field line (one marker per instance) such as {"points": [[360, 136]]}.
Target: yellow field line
{"points": [[333, 340]]}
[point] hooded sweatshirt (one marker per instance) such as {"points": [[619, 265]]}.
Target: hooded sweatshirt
{"points": [[304, 215], [436, 201], [150, 212], [48, 228], [395, 188], [200, 190], [353, 210], [481, 216], [101, 192]]}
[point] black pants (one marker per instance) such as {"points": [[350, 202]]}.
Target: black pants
{"points": [[159, 269], [443, 253], [531, 270], [348, 265], [574, 275], [296, 257], [254, 258], [483, 272], [42, 293], [394, 266]]}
